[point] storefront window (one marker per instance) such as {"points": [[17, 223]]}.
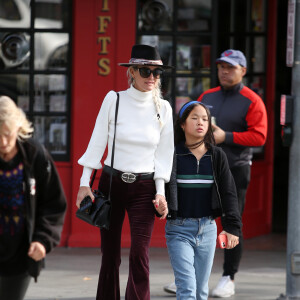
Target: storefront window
{"points": [[35, 66], [56, 13], [189, 88], [51, 50], [155, 15], [194, 15], [164, 44], [52, 132], [193, 54], [14, 50], [191, 35], [258, 15], [183, 37]]}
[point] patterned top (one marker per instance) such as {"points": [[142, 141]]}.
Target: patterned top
{"points": [[12, 213]]}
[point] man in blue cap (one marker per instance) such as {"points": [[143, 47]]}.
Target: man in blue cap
{"points": [[241, 120], [241, 123]]}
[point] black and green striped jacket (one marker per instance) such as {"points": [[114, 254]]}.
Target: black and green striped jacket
{"points": [[219, 184]]}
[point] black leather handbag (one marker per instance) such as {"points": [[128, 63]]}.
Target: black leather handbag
{"points": [[97, 212]]}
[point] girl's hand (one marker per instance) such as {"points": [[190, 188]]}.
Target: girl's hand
{"points": [[82, 193], [161, 206], [232, 240]]}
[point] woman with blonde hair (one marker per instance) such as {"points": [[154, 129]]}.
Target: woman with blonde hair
{"points": [[143, 153], [32, 203]]}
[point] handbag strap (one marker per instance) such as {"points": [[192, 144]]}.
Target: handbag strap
{"points": [[113, 150]]}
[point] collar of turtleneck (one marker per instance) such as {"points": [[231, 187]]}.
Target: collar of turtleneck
{"points": [[138, 95]]}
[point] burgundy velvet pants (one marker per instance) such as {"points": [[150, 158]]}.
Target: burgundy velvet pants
{"points": [[135, 198]]}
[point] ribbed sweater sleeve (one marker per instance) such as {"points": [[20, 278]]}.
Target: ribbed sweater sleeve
{"points": [[164, 152]]}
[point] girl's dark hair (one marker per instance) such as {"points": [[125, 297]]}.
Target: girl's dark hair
{"points": [[179, 135]]}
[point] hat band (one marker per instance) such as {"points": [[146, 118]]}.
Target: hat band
{"points": [[142, 61]]}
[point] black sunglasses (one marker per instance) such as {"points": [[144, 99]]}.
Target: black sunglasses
{"points": [[146, 72]]}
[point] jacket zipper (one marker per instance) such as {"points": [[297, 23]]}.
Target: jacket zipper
{"points": [[217, 187], [198, 161]]}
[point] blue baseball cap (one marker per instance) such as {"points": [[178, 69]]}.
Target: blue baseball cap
{"points": [[233, 57]]}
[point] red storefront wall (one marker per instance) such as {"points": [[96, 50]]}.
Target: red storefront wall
{"points": [[103, 34]]}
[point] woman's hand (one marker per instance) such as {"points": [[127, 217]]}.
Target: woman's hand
{"points": [[82, 193], [36, 251], [232, 240], [161, 205]]}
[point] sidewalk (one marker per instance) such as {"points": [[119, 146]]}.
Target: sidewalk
{"points": [[72, 273]]}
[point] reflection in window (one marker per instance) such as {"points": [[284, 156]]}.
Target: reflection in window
{"points": [[257, 85], [53, 13], [51, 50], [193, 54], [194, 15], [163, 43], [259, 54], [11, 11], [50, 93], [189, 88], [17, 88], [14, 50], [257, 15], [155, 15]]}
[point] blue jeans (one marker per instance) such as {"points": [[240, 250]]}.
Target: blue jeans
{"points": [[191, 245]]}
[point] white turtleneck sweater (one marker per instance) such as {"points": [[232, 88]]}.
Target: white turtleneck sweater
{"points": [[142, 144]]}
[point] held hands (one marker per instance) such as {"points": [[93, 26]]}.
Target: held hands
{"points": [[82, 193], [219, 134], [161, 205], [232, 240], [36, 251]]}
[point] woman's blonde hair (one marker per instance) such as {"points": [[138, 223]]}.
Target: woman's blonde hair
{"points": [[157, 96], [12, 115]]}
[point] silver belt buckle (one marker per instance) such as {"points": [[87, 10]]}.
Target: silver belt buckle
{"points": [[128, 177]]}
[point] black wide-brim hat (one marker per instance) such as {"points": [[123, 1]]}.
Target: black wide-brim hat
{"points": [[145, 55]]}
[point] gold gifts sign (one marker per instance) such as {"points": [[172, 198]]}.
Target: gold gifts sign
{"points": [[103, 40]]}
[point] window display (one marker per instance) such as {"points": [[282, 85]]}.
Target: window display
{"points": [[191, 34], [35, 66]]}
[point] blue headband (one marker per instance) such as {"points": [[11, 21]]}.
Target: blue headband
{"points": [[185, 106]]}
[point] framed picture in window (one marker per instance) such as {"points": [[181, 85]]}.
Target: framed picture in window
{"points": [[57, 103], [58, 138], [23, 102]]}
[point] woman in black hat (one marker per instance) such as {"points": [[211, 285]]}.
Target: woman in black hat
{"points": [[144, 149]]}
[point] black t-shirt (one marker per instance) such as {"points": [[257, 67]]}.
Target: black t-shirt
{"points": [[13, 237]]}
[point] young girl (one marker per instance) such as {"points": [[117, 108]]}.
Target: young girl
{"points": [[201, 189]]}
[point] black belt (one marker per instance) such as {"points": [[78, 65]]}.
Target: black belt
{"points": [[128, 177]]}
